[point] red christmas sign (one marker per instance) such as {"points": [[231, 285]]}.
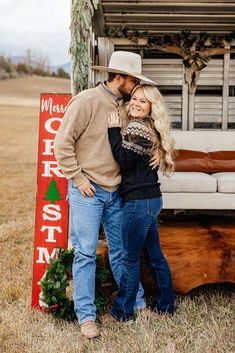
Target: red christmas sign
{"points": [[51, 224]]}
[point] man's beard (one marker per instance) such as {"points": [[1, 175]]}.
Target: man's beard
{"points": [[125, 95]]}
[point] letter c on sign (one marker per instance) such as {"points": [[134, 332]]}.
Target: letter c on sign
{"points": [[48, 124]]}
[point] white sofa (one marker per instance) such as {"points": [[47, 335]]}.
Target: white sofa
{"points": [[200, 190]]}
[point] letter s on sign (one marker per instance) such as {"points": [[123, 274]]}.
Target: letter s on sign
{"points": [[53, 211]]}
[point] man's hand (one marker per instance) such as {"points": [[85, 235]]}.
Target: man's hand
{"points": [[114, 120], [87, 189], [155, 160]]}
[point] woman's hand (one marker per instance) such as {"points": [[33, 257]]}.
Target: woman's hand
{"points": [[114, 120]]}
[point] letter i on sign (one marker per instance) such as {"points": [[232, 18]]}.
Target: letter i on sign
{"points": [[51, 222]]}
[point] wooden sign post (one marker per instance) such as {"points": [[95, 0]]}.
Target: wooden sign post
{"points": [[51, 223]]}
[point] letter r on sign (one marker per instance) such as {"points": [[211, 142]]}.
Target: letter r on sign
{"points": [[51, 167]]}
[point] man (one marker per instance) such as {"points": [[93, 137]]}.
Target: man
{"points": [[84, 155]]}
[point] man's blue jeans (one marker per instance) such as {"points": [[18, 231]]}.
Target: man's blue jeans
{"points": [[86, 215], [139, 232]]}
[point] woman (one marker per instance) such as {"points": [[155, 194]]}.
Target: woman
{"points": [[148, 130]]}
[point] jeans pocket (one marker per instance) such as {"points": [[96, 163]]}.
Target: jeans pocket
{"points": [[73, 191], [154, 206], [130, 207]]}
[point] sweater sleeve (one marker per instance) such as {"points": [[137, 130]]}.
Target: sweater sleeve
{"points": [[73, 124], [134, 145]]}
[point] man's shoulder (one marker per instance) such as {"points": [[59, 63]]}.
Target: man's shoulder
{"points": [[89, 93]]}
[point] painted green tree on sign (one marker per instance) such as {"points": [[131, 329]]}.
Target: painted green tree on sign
{"points": [[52, 193]]}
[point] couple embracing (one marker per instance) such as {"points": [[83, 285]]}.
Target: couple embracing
{"points": [[110, 153]]}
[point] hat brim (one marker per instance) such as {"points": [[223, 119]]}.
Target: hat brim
{"points": [[140, 77]]}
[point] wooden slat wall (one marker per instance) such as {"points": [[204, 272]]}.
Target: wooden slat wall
{"points": [[211, 106], [232, 72], [167, 72], [174, 107], [212, 74], [158, 16], [164, 71], [230, 89], [208, 109], [189, 109], [231, 109]]}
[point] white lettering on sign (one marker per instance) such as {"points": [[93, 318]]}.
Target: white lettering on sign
{"points": [[51, 210], [51, 166], [49, 147], [44, 254], [48, 106], [48, 124], [51, 232]]}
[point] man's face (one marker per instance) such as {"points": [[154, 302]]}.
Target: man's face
{"points": [[127, 86]]}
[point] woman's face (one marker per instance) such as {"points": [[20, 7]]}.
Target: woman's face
{"points": [[139, 105]]}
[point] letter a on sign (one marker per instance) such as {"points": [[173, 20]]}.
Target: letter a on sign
{"points": [[51, 224]]}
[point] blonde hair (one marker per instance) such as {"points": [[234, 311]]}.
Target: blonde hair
{"points": [[160, 124]]}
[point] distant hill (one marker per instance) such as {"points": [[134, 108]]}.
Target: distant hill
{"points": [[66, 67], [16, 59]]}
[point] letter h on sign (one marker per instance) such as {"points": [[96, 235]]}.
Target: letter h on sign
{"points": [[51, 224]]}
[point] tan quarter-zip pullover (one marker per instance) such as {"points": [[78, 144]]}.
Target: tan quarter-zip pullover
{"points": [[82, 147]]}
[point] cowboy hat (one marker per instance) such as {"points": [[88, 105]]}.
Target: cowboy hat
{"points": [[126, 63]]}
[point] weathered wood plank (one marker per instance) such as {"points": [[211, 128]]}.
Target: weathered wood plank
{"points": [[208, 99], [207, 112], [208, 119], [167, 1], [163, 69], [151, 18], [174, 98], [174, 106], [173, 26], [208, 106], [164, 75], [162, 61], [163, 82]]}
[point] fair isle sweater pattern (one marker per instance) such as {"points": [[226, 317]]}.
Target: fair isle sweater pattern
{"points": [[137, 138]]}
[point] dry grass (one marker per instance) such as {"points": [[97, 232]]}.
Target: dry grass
{"points": [[204, 320], [25, 91]]}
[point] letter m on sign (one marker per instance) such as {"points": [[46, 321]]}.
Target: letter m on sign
{"points": [[51, 223]]}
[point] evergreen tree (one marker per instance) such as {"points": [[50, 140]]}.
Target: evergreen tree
{"points": [[52, 193]]}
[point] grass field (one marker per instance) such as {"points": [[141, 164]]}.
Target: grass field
{"points": [[204, 322]]}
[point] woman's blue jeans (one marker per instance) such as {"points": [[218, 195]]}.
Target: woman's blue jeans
{"points": [[86, 215], [140, 232]]}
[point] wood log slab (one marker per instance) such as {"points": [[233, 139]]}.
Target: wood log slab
{"points": [[199, 249]]}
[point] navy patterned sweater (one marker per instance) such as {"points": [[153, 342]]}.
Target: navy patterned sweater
{"points": [[132, 151]]}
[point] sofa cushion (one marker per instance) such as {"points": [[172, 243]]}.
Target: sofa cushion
{"points": [[204, 140], [207, 162], [225, 182], [188, 182]]}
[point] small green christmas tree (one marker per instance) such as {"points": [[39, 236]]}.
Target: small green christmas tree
{"points": [[52, 193]]}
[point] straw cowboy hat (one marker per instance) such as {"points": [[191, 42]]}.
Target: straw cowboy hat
{"points": [[126, 63]]}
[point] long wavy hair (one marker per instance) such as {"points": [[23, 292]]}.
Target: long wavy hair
{"points": [[159, 123]]}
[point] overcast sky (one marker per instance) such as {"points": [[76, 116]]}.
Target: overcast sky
{"points": [[39, 25]]}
